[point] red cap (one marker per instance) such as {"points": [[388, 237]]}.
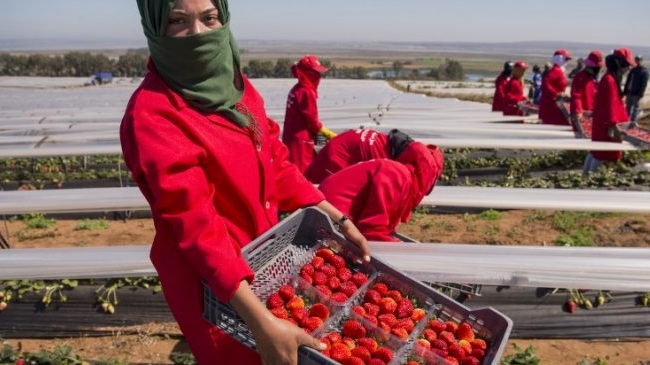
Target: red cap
{"points": [[311, 62], [594, 59], [564, 53], [626, 54], [521, 64]]}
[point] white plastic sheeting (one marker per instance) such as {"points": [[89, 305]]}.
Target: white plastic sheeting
{"points": [[130, 198], [526, 266]]}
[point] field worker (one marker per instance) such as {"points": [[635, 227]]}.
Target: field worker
{"points": [[635, 85], [499, 85], [514, 95], [355, 146], [536, 84], [583, 88], [301, 121], [208, 159], [379, 194], [609, 109], [553, 87]]}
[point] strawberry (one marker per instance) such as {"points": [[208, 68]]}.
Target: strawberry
{"points": [[429, 334], [437, 325], [317, 262], [387, 318], [380, 287], [307, 269], [340, 352], [447, 336], [467, 347], [274, 301], [286, 292], [344, 274], [439, 344], [371, 319], [418, 314], [359, 278], [354, 361], [362, 352], [319, 278], [324, 289], [348, 287], [412, 362], [478, 353], [328, 270], [333, 283], [375, 361], [280, 312], [349, 342], [299, 314], [372, 296], [450, 360], [451, 326], [353, 329], [439, 352], [456, 351], [470, 360], [339, 297], [337, 261], [383, 353], [312, 323], [295, 302], [399, 332], [570, 306], [359, 310], [334, 337], [327, 342], [307, 278], [405, 323], [478, 343], [421, 347], [371, 309], [369, 343], [319, 310], [395, 294], [464, 332], [404, 308], [325, 253], [387, 305]]}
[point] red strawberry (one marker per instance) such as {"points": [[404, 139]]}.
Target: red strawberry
{"points": [[319, 310], [286, 292], [404, 308], [299, 314], [337, 261], [478, 353], [274, 301], [312, 323], [450, 360], [354, 361], [466, 346], [359, 310], [328, 270], [317, 262], [465, 332], [412, 362], [447, 336], [387, 305], [307, 278], [327, 343], [371, 319], [307, 269], [439, 344], [387, 318], [395, 294], [383, 353], [570, 306], [381, 288], [295, 302], [348, 287], [478, 343], [362, 352], [422, 346], [470, 360], [429, 334], [439, 352], [334, 337], [339, 297], [319, 278], [371, 309], [344, 274], [349, 342], [418, 314], [451, 326], [325, 253], [375, 361], [400, 333], [456, 351], [333, 283], [324, 289], [340, 352], [369, 343], [280, 312], [353, 329], [405, 323], [359, 278], [372, 296], [437, 325]]}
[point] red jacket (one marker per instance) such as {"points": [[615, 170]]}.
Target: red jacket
{"points": [[301, 121], [609, 110], [346, 149], [553, 85], [212, 188], [513, 94], [499, 93], [583, 89]]}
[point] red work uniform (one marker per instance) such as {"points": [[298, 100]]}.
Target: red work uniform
{"points": [[346, 149], [301, 120], [609, 110], [212, 187], [379, 194], [553, 85], [498, 101], [513, 94], [583, 90]]}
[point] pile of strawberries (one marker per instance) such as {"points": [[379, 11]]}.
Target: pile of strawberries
{"points": [[354, 345], [286, 304], [449, 343]]}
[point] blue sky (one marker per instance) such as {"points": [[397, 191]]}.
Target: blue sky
{"points": [[595, 21]]}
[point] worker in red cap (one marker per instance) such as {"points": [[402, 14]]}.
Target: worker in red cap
{"points": [[379, 194], [583, 89], [609, 109], [514, 90], [499, 87], [301, 121], [353, 146], [554, 85]]}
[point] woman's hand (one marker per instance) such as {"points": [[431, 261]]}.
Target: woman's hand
{"points": [[349, 230], [277, 340]]}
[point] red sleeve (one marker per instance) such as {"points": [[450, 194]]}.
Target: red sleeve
{"points": [[577, 90], [181, 198], [514, 92], [309, 109]]}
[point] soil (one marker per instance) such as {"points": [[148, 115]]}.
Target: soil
{"points": [[153, 343]]}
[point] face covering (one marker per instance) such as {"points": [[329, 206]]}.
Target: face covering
{"points": [[559, 60], [204, 68]]}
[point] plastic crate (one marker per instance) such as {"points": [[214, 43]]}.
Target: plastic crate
{"points": [[632, 133], [278, 254]]}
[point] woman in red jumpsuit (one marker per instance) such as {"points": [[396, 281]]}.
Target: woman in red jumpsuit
{"points": [[355, 146], [514, 90], [499, 86], [583, 88], [609, 109], [301, 121], [554, 86], [379, 194], [209, 161]]}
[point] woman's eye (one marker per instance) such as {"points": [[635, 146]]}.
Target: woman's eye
{"points": [[176, 20]]}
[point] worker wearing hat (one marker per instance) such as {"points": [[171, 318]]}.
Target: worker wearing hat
{"points": [[635, 85], [609, 109], [301, 121], [514, 90], [499, 87], [554, 85], [583, 90]]}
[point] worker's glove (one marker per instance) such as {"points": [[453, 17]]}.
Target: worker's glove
{"points": [[327, 133]]}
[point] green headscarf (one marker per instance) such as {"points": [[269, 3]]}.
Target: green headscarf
{"points": [[203, 67]]}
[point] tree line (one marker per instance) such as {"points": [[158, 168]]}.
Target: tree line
{"points": [[133, 64]]}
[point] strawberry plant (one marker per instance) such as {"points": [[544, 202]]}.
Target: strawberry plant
{"points": [[521, 357], [106, 294]]}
